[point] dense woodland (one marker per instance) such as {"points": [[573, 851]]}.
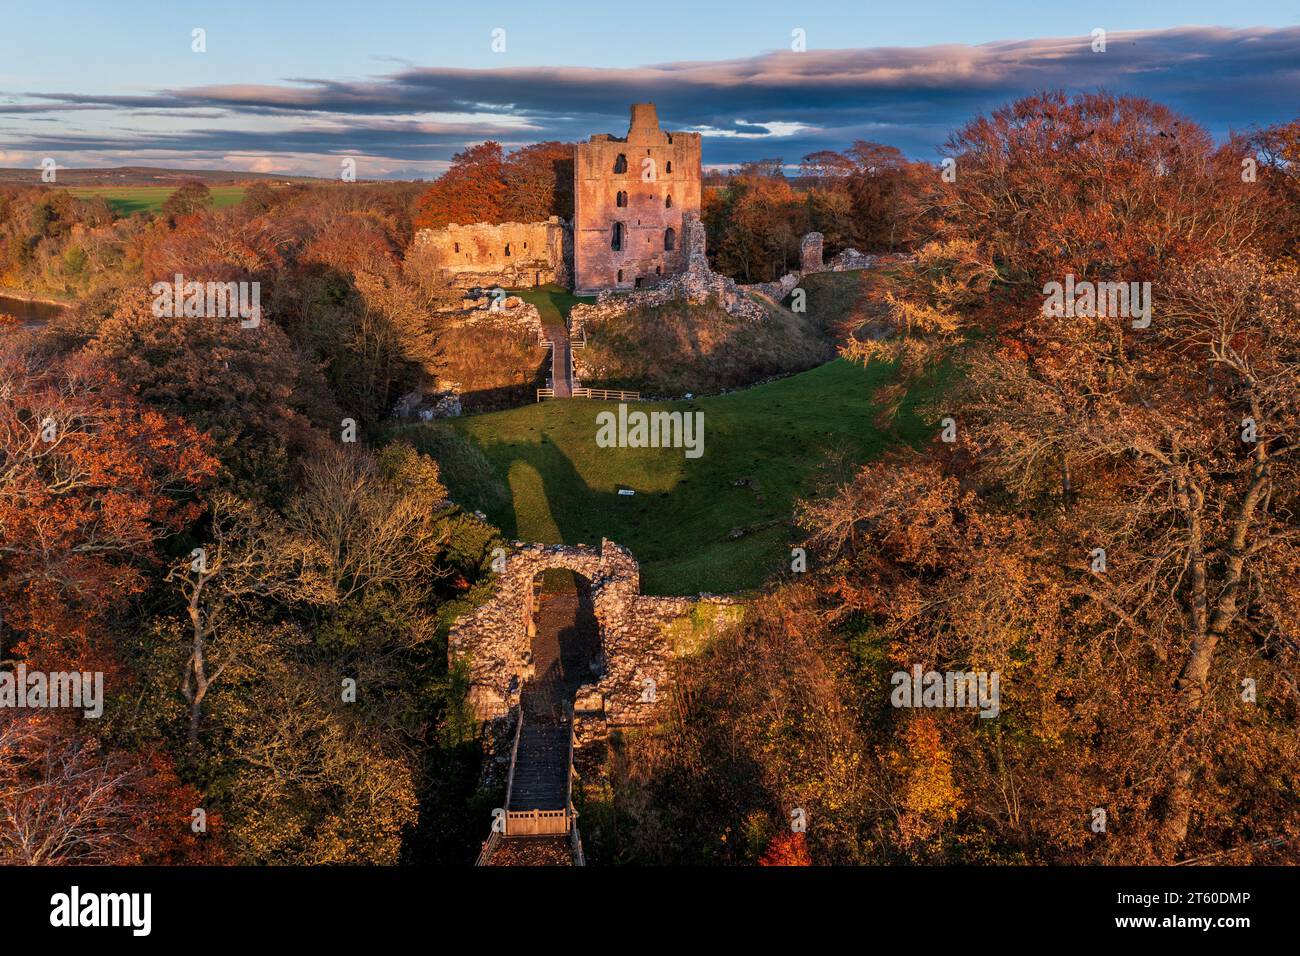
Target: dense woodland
{"points": [[325, 561]]}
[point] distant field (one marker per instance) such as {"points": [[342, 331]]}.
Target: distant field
{"points": [[717, 523], [125, 200]]}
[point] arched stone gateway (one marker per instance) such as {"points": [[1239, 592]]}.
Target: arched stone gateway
{"points": [[632, 666]]}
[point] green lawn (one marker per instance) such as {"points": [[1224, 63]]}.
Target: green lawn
{"points": [[552, 301], [716, 523], [125, 200]]}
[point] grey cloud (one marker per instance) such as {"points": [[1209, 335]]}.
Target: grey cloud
{"points": [[907, 97]]}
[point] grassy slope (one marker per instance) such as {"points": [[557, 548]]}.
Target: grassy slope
{"points": [[838, 302], [541, 477], [496, 364], [676, 349], [125, 200]]}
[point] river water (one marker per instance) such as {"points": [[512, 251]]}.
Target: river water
{"points": [[29, 314]]}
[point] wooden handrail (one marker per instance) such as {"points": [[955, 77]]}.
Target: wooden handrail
{"points": [[514, 754], [575, 845], [490, 844], [537, 823], [568, 784], [575, 839]]}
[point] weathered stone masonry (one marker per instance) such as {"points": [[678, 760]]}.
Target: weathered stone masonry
{"points": [[697, 285], [630, 196], [511, 254], [495, 638]]}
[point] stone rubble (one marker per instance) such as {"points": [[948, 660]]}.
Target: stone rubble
{"points": [[700, 284], [426, 406], [697, 285]]}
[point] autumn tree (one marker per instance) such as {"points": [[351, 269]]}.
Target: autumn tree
{"points": [[259, 197], [90, 481], [329, 611], [787, 849], [249, 557], [247, 388], [473, 189], [1271, 157], [313, 780], [1103, 186], [756, 224], [1147, 467], [65, 799], [539, 182], [189, 199], [762, 723], [362, 525], [373, 519]]}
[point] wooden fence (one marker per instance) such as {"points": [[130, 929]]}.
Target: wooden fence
{"points": [[607, 394]]}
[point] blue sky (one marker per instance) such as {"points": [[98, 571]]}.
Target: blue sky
{"points": [[400, 86]]}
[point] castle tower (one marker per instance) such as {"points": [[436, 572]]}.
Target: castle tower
{"points": [[630, 196]]}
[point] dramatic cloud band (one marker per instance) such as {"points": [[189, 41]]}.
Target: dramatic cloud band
{"points": [[777, 104]]}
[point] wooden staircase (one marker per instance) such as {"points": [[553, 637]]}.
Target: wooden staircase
{"points": [[539, 789], [563, 380], [540, 780]]}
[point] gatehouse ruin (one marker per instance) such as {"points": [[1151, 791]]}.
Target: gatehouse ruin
{"points": [[630, 670]]}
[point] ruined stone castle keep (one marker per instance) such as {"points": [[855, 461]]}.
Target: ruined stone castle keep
{"points": [[630, 196], [633, 198]]}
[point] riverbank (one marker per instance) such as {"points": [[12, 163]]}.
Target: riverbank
{"points": [[31, 311], [36, 298]]}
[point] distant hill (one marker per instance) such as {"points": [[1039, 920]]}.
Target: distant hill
{"points": [[146, 176]]}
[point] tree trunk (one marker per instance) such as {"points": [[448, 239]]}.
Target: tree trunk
{"points": [[1207, 629], [1190, 684]]}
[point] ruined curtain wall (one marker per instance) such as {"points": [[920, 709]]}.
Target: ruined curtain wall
{"points": [[510, 254]]}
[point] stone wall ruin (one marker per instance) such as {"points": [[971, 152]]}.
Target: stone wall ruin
{"points": [[509, 254], [495, 638]]}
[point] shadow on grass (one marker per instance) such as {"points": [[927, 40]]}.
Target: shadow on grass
{"points": [[720, 523]]}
